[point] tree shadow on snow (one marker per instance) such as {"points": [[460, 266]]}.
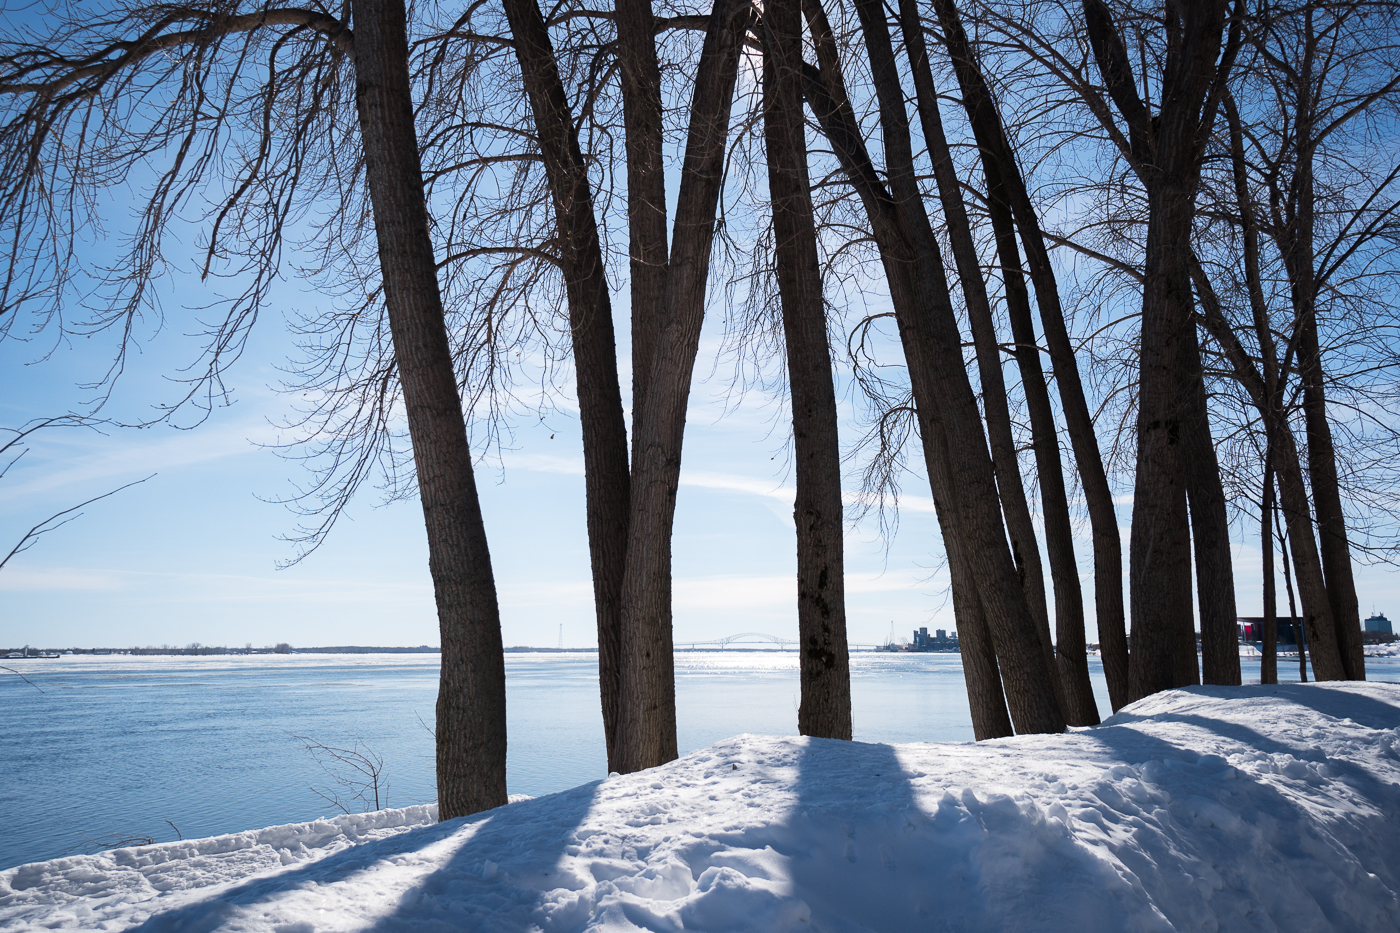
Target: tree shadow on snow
{"points": [[1226, 829], [532, 830], [845, 834]]}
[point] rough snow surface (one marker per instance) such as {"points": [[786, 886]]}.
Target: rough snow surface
{"points": [[1213, 808]]}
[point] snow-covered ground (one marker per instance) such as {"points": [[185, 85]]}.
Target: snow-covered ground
{"points": [[1213, 808]]}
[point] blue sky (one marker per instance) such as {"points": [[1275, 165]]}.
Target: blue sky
{"points": [[191, 555]]}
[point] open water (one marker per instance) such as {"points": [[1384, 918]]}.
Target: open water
{"points": [[119, 747]]}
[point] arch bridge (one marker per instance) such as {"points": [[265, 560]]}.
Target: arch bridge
{"points": [[752, 638], [743, 638]]}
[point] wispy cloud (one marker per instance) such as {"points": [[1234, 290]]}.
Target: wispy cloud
{"points": [[121, 455], [159, 587], [58, 579], [730, 482], [544, 463]]}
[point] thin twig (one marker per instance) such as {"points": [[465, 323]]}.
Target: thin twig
{"points": [[33, 534], [22, 677]]}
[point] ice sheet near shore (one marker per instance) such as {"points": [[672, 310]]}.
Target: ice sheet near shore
{"points": [[1230, 808]]}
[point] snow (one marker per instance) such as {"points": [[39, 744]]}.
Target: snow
{"points": [[1212, 808]]}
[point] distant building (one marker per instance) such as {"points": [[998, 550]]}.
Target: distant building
{"points": [[938, 641], [1379, 623], [1251, 629]]}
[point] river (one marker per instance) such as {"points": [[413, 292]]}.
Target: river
{"points": [[109, 748]]}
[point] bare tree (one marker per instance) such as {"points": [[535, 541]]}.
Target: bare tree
{"points": [[1166, 149], [986, 585], [825, 708], [100, 94], [1008, 207], [358, 771]]}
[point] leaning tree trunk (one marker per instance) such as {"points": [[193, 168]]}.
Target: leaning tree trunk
{"points": [[647, 720], [1300, 259], [1020, 527], [825, 90], [605, 468], [646, 186], [1327, 505], [1312, 589], [1268, 376], [825, 708], [1268, 665], [997, 155], [1293, 496], [933, 348], [1210, 529], [1073, 661], [471, 705]]}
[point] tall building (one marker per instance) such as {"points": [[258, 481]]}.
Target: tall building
{"points": [[1379, 623]]}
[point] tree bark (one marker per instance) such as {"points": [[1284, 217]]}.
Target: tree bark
{"points": [[646, 187], [1210, 530], [825, 91], [1020, 528], [1072, 661], [1268, 665], [1167, 150], [1297, 245], [1159, 547], [605, 466], [471, 705], [1317, 612], [1268, 380], [647, 721], [1108, 550], [932, 346], [825, 708], [1293, 614], [1327, 504]]}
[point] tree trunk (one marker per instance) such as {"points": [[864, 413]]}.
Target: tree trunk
{"points": [[1020, 528], [1160, 544], [647, 720], [1167, 150], [646, 187], [1108, 554], [605, 468], [1268, 665], [1297, 245], [1327, 662], [1293, 614], [825, 91], [1073, 661], [1267, 393], [1312, 590], [825, 708], [1210, 529], [933, 349], [1327, 504], [471, 705]]}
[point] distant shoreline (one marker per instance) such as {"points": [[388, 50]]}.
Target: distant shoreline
{"points": [[207, 651]]}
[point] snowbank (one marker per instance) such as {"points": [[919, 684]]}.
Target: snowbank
{"points": [[1243, 808]]}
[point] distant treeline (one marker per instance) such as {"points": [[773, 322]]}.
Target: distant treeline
{"points": [[198, 649], [280, 648]]}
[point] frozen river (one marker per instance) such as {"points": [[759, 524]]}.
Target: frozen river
{"points": [[151, 746]]}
